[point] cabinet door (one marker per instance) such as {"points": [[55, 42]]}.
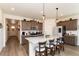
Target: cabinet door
{"points": [[68, 25], [40, 26], [72, 25], [25, 25]]}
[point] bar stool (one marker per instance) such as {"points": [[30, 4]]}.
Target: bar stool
{"points": [[57, 46], [61, 43], [50, 48], [41, 49]]}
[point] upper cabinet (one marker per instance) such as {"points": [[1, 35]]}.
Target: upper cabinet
{"points": [[31, 25], [70, 24]]}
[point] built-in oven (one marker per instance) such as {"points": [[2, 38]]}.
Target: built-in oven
{"points": [[59, 29], [62, 30]]}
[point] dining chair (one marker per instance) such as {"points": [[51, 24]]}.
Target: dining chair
{"points": [[59, 45], [61, 42], [41, 49], [50, 48]]}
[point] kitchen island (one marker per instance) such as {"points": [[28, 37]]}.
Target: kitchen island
{"points": [[33, 42]]}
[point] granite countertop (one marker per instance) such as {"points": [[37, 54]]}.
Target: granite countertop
{"points": [[33, 35], [35, 40]]}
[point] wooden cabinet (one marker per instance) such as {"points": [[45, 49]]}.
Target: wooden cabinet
{"points": [[26, 25], [30, 25], [71, 40], [40, 26], [70, 24]]}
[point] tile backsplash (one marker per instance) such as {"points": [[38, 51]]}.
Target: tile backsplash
{"points": [[72, 32]]}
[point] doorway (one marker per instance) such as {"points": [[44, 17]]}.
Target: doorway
{"points": [[13, 28]]}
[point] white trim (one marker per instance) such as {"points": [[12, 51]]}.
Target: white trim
{"points": [[4, 29], [20, 32]]}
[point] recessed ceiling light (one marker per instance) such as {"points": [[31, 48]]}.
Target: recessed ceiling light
{"points": [[13, 27], [12, 9]]}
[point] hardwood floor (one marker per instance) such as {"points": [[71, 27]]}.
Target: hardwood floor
{"points": [[69, 51], [13, 48], [25, 44]]}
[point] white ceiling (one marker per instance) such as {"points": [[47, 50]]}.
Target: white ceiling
{"points": [[33, 10]]}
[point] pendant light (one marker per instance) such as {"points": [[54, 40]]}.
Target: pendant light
{"points": [[43, 11], [56, 13]]}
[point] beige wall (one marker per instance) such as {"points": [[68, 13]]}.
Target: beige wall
{"points": [[48, 26], [1, 31]]}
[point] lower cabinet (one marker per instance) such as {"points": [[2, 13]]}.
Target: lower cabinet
{"points": [[71, 40]]}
